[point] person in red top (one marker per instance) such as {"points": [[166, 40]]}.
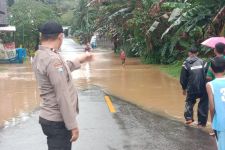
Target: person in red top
{"points": [[87, 48], [123, 57]]}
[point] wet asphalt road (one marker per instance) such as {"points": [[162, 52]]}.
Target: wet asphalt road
{"points": [[130, 128]]}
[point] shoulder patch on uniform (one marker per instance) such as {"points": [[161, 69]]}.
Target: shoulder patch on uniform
{"points": [[58, 66], [60, 69]]}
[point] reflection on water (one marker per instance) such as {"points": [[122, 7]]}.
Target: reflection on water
{"points": [[140, 84], [18, 93], [87, 71]]}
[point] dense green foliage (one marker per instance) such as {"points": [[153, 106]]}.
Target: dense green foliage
{"points": [[159, 31], [10, 2], [84, 20], [28, 15]]}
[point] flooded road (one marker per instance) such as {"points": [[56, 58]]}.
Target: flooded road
{"points": [[140, 84], [143, 85], [18, 93], [130, 128]]}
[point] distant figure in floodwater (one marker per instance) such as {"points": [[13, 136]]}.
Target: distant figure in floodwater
{"points": [[93, 41], [88, 48], [193, 82], [216, 93], [123, 57]]}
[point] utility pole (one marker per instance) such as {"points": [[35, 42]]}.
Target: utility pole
{"points": [[23, 35], [88, 34]]}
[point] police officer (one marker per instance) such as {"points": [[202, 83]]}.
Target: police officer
{"points": [[59, 107], [193, 82]]}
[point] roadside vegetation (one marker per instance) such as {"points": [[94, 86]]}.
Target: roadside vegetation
{"points": [[173, 69], [157, 31], [28, 15]]}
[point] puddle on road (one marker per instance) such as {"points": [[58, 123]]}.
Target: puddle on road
{"points": [[140, 84]]}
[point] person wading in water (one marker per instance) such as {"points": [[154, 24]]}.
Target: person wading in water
{"points": [[193, 82]]}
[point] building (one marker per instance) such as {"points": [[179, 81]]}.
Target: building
{"points": [[3, 13]]}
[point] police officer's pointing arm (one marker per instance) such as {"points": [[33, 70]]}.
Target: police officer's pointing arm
{"points": [[76, 63], [58, 77], [73, 65]]}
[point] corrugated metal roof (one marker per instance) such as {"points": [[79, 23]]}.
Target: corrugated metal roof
{"points": [[3, 13]]}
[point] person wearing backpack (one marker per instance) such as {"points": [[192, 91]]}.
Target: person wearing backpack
{"points": [[193, 82]]}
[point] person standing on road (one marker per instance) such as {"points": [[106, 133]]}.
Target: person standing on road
{"points": [[59, 107], [193, 81], [216, 93]]}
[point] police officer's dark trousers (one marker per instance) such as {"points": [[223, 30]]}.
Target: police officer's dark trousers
{"points": [[58, 137], [203, 107]]}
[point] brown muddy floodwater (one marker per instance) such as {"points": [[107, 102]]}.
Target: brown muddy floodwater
{"points": [[18, 93], [143, 85]]}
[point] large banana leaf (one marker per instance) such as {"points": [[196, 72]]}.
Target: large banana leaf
{"points": [[190, 18]]}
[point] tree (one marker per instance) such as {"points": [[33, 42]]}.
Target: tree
{"points": [[139, 4], [27, 16], [159, 31], [10, 2], [194, 23], [84, 20]]}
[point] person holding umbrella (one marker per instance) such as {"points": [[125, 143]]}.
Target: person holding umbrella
{"points": [[211, 42], [219, 52], [218, 44]]}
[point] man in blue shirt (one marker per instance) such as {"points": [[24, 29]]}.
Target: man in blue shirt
{"points": [[216, 94]]}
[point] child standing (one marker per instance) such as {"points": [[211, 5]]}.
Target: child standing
{"points": [[123, 57], [216, 93], [87, 48]]}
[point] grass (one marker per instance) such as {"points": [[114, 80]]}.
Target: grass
{"points": [[172, 70], [2, 69]]}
